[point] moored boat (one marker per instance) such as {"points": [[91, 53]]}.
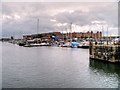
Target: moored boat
{"points": [[37, 44], [84, 45], [21, 43], [75, 44], [67, 44]]}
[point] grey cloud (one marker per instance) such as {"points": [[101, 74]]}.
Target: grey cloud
{"points": [[101, 12], [30, 12]]}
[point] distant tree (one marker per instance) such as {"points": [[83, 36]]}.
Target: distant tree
{"points": [[86, 37], [91, 37], [12, 38], [82, 37]]}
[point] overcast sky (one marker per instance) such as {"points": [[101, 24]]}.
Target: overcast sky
{"points": [[21, 18]]}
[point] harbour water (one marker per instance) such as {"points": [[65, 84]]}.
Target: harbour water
{"points": [[55, 67]]}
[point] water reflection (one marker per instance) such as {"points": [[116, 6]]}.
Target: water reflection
{"points": [[107, 69], [0, 65], [55, 67]]}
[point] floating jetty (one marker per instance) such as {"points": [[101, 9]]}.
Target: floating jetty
{"points": [[108, 53]]}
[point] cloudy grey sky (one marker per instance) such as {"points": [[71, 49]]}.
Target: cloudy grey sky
{"points": [[21, 17]]}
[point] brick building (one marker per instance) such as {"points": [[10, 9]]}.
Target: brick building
{"points": [[88, 34]]}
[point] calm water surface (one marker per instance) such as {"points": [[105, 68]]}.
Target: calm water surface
{"points": [[55, 67]]}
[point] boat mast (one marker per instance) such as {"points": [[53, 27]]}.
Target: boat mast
{"points": [[37, 29], [107, 35], [62, 34], [102, 31], [71, 32], [66, 35], [37, 25]]}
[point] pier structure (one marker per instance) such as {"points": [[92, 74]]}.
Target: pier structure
{"points": [[108, 53]]}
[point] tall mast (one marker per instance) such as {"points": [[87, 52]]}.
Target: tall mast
{"points": [[62, 34], [37, 25], [102, 31], [71, 31], [107, 35], [37, 29], [66, 35]]}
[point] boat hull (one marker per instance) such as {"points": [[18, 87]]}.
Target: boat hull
{"points": [[85, 47]]}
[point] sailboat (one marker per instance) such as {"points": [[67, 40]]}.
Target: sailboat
{"points": [[68, 44], [74, 44], [34, 44], [84, 44]]}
